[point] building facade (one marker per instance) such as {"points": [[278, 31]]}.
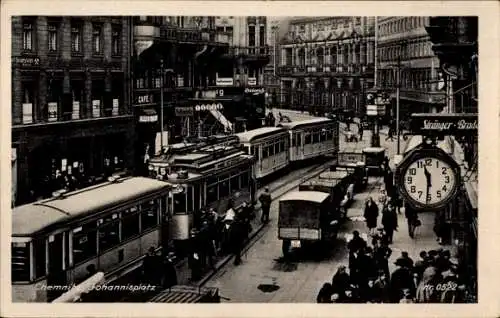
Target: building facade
{"points": [[403, 45], [271, 78], [327, 63], [71, 117]]}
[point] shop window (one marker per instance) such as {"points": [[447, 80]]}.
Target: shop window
{"points": [[40, 257], [20, 262], [97, 39], [52, 38], [84, 242], [130, 223], [179, 203], [76, 38], [109, 232], [28, 36], [149, 215], [116, 37]]}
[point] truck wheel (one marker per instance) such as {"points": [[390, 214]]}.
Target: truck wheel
{"points": [[285, 248]]}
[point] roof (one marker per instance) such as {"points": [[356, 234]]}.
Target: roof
{"points": [[312, 196], [250, 135], [31, 218], [303, 123]]}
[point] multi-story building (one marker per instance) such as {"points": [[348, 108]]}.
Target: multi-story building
{"points": [[327, 63], [271, 78], [71, 116], [403, 46]]}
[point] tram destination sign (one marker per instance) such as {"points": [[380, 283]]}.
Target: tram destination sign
{"points": [[444, 124]]}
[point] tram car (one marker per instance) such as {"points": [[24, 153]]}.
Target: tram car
{"points": [[211, 177], [270, 146], [64, 240], [312, 138]]}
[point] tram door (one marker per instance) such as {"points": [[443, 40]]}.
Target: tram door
{"points": [[57, 275]]}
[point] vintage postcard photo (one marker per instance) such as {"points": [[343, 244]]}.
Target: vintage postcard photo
{"points": [[165, 158]]}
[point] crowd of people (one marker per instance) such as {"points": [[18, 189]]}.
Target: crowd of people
{"points": [[433, 278]]}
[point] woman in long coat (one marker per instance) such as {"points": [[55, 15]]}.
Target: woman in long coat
{"points": [[389, 221], [371, 215]]}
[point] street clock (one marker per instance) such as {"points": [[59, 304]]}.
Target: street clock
{"points": [[428, 178]]}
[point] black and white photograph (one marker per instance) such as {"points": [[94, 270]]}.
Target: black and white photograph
{"points": [[244, 159]]}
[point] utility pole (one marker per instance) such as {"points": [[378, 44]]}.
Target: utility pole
{"points": [[398, 85], [161, 105]]}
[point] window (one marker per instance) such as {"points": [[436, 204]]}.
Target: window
{"points": [[76, 38], [130, 223], [84, 242], [189, 199], [229, 29], [251, 35], [235, 182], [264, 152], [262, 35], [315, 138], [212, 194], [245, 179], [20, 264], [308, 139], [52, 28], [116, 40], [149, 215], [96, 39], [179, 203], [109, 232], [40, 257], [223, 186], [27, 36], [256, 153], [270, 150]]}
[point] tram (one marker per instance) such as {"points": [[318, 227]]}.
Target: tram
{"points": [[312, 138], [270, 146], [210, 177], [64, 240]]}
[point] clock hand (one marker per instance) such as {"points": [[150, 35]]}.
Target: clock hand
{"points": [[428, 177]]}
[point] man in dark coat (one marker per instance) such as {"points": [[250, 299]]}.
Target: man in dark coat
{"points": [[389, 221], [355, 247], [406, 259], [169, 272], [340, 281], [411, 218], [421, 265], [194, 260], [401, 279], [381, 254], [237, 237], [151, 267], [371, 215], [265, 202]]}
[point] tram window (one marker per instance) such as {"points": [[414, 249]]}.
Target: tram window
{"points": [[256, 153], [197, 197], [270, 150], [299, 140], [84, 242], [180, 203], [277, 148], [212, 194], [282, 146], [109, 234], [224, 186], [294, 137], [307, 139], [40, 257], [189, 199], [20, 264], [244, 180], [235, 183], [315, 138], [130, 224], [149, 215], [264, 152]]}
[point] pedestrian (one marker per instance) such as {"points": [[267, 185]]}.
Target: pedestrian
{"points": [[385, 163], [407, 298], [151, 267], [324, 294], [367, 271], [443, 262], [355, 245], [265, 202], [401, 279], [421, 265], [450, 292], [381, 288], [390, 221], [382, 252], [194, 261], [371, 215], [412, 220], [427, 288], [341, 280], [389, 182], [169, 272], [237, 238]]}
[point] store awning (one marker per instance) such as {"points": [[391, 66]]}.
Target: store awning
{"points": [[148, 116]]}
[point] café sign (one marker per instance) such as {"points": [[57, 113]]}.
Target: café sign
{"points": [[444, 124]]}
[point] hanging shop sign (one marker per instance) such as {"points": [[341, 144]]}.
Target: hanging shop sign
{"points": [[444, 124], [144, 99], [208, 107], [184, 111], [255, 91], [224, 81]]}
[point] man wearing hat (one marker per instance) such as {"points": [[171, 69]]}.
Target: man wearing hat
{"points": [[401, 279], [169, 272], [265, 202], [151, 267]]}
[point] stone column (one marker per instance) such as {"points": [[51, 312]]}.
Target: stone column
{"points": [[107, 36], [66, 39]]}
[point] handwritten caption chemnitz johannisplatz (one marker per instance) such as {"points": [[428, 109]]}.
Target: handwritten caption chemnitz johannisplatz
{"points": [[101, 288]]}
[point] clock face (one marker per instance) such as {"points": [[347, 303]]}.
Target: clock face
{"points": [[429, 181]]}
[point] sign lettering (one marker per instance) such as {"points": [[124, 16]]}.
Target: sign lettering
{"points": [[184, 111], [444, 123], [255, 90], [145, 99], [208, 107], [28, 61]]}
